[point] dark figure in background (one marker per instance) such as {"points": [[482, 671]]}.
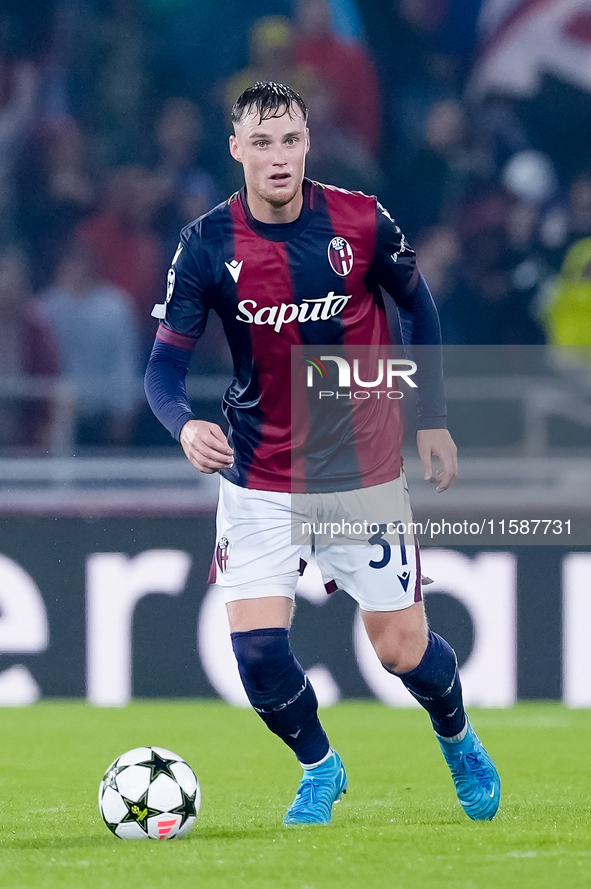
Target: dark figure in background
{"points": [[187, 189], [27, 351], [127, 248], [95, 328], [345, 69], [57, 190]]}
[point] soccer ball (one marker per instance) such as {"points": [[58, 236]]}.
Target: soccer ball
{"points": [[149, 793]]}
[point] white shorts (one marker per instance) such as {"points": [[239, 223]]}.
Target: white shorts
{"points": [[256, 556]]}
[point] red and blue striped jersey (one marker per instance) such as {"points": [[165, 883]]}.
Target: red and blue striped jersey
{"points": [[281, 290]]}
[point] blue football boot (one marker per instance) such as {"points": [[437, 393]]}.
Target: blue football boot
{"points": [[318, 790], [475, 777]]}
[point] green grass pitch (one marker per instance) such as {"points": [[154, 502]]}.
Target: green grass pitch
{"points": [[398, 827]]}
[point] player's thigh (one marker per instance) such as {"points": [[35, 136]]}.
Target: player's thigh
{"points": [[254, 557], [245, 615]]}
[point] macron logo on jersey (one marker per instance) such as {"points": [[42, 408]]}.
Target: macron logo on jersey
{"points": [[234, 268]]}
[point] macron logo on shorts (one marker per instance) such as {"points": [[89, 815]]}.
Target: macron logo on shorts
{"points": [[222, 554]]}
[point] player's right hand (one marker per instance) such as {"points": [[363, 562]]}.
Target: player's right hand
{"points": [[206, 446]]}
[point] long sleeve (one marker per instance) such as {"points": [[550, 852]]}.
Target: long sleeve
{"points": [[164, 382], [184, 315]]}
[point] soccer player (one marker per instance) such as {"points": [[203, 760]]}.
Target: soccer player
{"points": [[285, 262]]}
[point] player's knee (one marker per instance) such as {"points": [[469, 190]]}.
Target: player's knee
{"points": [[401, 654], [261, 653]]}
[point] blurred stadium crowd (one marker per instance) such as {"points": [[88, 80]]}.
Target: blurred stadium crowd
{"points": [[114, 116]]}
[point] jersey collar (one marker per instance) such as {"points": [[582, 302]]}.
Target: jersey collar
{"points": [[279, 231]]}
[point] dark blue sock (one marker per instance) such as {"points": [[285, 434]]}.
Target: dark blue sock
{"points": [[435, 684], [280, 692]]}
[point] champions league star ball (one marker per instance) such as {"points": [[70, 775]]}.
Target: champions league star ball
{"points": [[149, 793]]}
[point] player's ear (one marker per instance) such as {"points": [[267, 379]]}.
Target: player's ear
{"points": [[234, 149], [307, 140]]}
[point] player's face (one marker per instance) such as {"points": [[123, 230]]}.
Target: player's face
{"points": [[273, 154]]}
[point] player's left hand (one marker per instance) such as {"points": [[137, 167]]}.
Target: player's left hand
{"points": [[438, 443]]}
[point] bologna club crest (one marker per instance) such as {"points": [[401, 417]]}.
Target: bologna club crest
{"points": [[222, 553], [340, 256]]}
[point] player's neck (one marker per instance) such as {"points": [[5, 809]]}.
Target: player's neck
{"points": [[263, 211]]}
